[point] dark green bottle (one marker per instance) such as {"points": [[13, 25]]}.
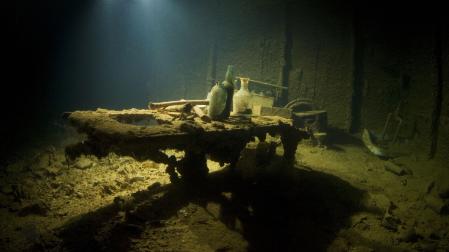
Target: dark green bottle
{"points": [[228, 84]]}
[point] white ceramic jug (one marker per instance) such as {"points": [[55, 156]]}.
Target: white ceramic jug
{"points": [[242, 98]]}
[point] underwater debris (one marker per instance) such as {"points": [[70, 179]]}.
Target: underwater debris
{"points": [[200, 113], [390, 222], [196, 137], [158, 105], [83, 163], [396, 169], [369, 143]]}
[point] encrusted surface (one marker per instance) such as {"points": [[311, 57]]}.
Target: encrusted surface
{"points": [[143, 134]]}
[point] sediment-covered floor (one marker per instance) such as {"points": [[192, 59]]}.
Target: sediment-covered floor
{"points": [[339, 198]]}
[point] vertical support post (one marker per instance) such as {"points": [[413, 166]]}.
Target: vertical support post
{"points": [[290, 138], [286, 55], [355, 122]]}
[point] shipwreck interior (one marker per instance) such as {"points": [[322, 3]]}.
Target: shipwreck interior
{"points": [[225, 125]]}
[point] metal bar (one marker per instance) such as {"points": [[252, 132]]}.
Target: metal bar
{"points": [[265, 83], [156, 105]]}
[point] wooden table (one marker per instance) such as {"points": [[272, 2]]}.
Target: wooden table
{"points": [[144, 134]]}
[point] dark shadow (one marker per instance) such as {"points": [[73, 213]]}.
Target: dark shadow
{"points": [[336, 138], [340, 137], [334, 147], [290, 210]]}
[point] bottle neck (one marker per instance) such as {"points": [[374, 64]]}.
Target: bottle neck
{"points": [[244, 86], [230, 74]]}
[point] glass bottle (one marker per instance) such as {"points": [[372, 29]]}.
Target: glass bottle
{"points": [[217, 101], [228, 84], [242, 97]]}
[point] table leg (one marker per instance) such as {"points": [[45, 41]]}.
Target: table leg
{"points": [[290, 138], [193, 166]]}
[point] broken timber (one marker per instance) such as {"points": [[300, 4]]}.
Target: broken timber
{"points": [[144, 134], [156, 105]]}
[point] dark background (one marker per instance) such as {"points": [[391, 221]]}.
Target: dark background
{"points": [[357, 60]]}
